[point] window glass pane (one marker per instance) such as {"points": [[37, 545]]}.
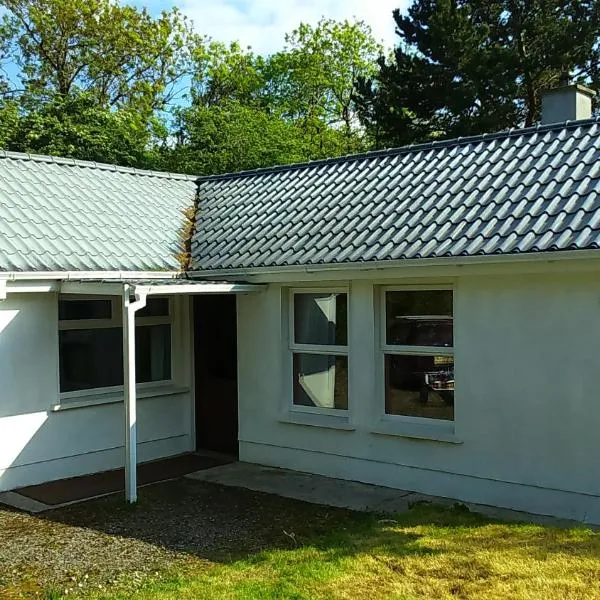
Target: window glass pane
{"points": [[419, 386], [153, 353], [93, 358], [419, 318], [155, 307], [321, 319], [321, 381], [71, 310], [90, 358]]}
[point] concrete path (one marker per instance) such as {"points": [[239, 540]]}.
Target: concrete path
{"points": [[344, 494], [23, 502]]}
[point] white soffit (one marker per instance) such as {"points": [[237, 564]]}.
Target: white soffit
{"points": [[163, 287]]}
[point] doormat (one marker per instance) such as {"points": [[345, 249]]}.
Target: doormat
{"points": [[64, 491]]}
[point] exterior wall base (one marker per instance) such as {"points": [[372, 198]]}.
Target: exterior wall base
{"points": [[84, 464], [537, 500]]}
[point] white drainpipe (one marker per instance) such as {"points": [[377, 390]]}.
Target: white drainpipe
{"points": [[129, 309]]}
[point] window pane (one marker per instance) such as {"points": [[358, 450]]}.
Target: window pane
{"points": [[321, 319], [71, 310], [153, 353], [419, 318], [155, 307], [93, 358], [419, 386], [321, 381], [90, 358]]}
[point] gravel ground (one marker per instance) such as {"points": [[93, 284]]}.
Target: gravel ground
{"points": [[177, 526]]}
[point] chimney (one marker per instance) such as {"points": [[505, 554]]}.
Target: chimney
{"points": [[567, 103]]}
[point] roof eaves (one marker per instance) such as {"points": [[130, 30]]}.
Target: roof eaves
{"points": [[549, 255]]}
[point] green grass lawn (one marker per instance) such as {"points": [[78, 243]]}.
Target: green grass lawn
{"points": [[429, 552]]}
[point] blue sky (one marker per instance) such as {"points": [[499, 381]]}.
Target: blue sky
{"points": [[262, 24]]}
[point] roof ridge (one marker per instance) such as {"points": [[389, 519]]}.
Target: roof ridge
{"points": [[74, 162], [435, 144]]}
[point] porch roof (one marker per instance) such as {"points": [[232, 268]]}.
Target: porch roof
{"points": [[148, 287]]}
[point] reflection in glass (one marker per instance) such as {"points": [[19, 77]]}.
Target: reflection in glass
{"points": [[320, 319], [321, 381], [155, 307], [419, 386], [72, 310], [419, 318], [93, 358]]}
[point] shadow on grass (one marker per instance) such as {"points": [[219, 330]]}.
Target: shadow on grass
{"points": [[202, 524], [225, 524]]}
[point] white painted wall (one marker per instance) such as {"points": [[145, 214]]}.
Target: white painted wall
{"points": [[37, 444], [527, 405]]}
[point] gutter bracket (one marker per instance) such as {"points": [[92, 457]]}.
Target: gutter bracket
{"points": [[3, 289]]}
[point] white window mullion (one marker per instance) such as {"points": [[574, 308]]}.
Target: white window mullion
{"points": [[419, 350], [314, 349]]}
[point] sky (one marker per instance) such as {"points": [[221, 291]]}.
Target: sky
{"points": [[262, 24]]}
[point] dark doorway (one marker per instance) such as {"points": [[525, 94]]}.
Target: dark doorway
{"points": [[215, 335]]}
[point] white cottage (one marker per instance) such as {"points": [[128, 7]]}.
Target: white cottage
{"points": [[425, 318]]}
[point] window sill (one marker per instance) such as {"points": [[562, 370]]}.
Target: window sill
{"points": [[417, 431], [316, 420], [116, 397]]}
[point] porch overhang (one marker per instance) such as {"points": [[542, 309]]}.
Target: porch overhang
{"points": [[162, 287], [134, 293]]}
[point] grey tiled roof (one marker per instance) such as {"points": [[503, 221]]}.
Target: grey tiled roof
{"points": [[61, 214], [528, 190]]}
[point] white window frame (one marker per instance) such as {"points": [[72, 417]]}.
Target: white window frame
{"points": [[404, 350], [318, 349], [116, 320]]}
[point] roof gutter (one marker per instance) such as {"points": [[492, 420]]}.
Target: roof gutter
{"points": [[81, 275], [406, 263]]}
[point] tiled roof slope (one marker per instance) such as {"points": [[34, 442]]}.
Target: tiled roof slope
{"points": [[61, 215], [528, 190]]}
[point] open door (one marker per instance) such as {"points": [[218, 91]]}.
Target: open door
{"points": [[215, 339]]}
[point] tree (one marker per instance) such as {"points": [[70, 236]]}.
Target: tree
{"points": [[231, 136], [225, 73], [469, 66], [118, 55], [96, 77], [315, 77], [77, 127], [9, 120], [249, 111]]}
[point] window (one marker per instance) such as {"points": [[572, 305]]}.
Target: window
{"points": [[91, 342], [319, 347], [418, 353]]}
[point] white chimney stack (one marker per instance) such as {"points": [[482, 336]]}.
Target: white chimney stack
{"points": [[567, 103]]}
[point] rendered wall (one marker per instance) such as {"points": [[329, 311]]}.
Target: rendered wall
{"points": [[38, 444], [527, 404]]}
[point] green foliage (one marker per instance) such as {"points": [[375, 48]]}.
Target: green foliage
{"points": [[98, 79], [117, 54], [9, 120], [231, 136], [249, 111], [77, 127], [465, 67], [315, 79], [98, 76], [224, 73]]}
